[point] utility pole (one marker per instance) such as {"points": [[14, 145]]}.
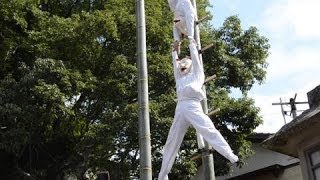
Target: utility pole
{"points": [[292, 102], [207, 157], [143, 97]]}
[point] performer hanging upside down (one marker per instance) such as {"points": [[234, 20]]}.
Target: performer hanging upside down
{"points": [[189, 78], [184, 19]]}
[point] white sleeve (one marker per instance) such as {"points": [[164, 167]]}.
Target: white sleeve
{"points": [[197, 66]]}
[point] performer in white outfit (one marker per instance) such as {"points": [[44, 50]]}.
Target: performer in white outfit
{"points": [[184, 19], [189, 78]]}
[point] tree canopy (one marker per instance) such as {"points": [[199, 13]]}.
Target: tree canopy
{"points": [[68, 87]]}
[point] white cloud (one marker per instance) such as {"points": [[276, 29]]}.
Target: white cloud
{"points": [[272, 118], [301, 16], [301, 61]]}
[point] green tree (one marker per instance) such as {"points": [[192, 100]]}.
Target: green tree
{"points": [[68, 94], [41, 123]]}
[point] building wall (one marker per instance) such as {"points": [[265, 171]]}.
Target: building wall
{"points": [[292, 173], [308, 143]]}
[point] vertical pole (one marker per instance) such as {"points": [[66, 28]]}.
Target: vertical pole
{"points": [[207, 158], [143, 98]]}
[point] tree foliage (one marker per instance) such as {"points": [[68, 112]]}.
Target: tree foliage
{"points": [[68, 87]]}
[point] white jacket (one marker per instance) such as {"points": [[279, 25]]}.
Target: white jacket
{"points": [[189, 86]]}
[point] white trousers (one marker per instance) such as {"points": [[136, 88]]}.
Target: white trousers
{"points": [[189, 112]]}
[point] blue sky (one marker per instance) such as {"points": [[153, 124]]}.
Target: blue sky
{"points": [[293, 30]]}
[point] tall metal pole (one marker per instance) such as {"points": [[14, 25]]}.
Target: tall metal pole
{"points": [[144, 121], [207, 158]]}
